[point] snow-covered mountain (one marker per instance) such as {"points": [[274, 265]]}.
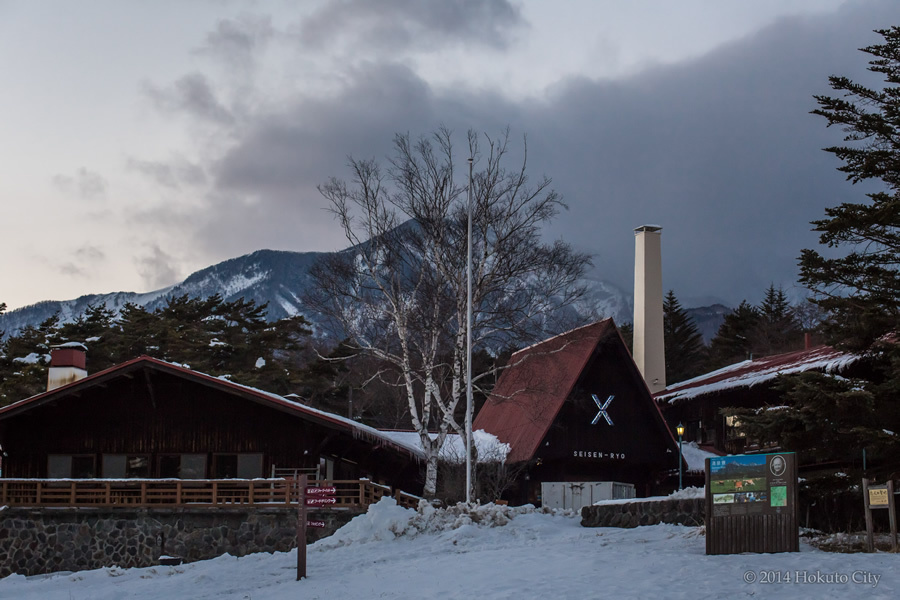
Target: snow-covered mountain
{"points": [[280, 277], [271, 276], [276, 277]]}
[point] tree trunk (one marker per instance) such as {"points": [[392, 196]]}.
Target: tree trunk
{"points": [[431, 472]]}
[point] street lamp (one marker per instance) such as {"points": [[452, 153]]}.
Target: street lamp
{"points": [[680, 430]]}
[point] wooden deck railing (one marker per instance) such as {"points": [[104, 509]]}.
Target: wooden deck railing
{"points": [[407, 500], [181, 492]]}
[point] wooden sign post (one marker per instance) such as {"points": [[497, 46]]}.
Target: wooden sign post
{"points": [[309, 496], [874, 497], [301, 528]]}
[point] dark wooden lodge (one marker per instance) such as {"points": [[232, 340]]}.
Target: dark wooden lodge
{"points": [[151, 419], [574, 408], [698, 402]]}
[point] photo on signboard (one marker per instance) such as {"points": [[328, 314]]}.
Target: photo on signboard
{"points": [[738, 474]]}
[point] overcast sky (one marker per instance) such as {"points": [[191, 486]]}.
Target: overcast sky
{"points": [[141, 141]]}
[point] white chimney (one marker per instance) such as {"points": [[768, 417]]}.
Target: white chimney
{"points": [[649, 342], [67, 364]]}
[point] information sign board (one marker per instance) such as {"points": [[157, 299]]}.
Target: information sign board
{"points": [[878, 496], [751, 503]]}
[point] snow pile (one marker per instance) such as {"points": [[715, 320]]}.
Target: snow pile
{"points": [[386, 520], [688, 493], [695, 457], [33, 358]]}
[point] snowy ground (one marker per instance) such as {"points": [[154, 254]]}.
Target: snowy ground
{"points": [[509, 553]]}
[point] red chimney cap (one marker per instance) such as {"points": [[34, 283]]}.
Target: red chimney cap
{"points": [[70, 354]]}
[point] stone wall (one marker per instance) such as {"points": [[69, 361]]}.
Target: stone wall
{"points": [[34, 541], [634, 514]]}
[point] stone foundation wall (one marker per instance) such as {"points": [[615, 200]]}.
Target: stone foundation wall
{"points": [[634, 514], [34, 541]]}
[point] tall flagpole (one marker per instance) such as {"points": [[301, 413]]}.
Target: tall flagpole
{"points": [[469, 348]]}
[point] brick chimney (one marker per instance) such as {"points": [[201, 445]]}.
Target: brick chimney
{"points": [[649, 341], [67, 364]]}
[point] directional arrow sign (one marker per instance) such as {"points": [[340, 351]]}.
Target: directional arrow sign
{"points": [[320, 501], [315, 523], [321, 491]]}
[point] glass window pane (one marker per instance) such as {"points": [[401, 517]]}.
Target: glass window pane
{"points": [[169, 466], [193, 466], [226, 466], [114, 466], [59, 466], [138, 467], [83, 467], [249, 466]]}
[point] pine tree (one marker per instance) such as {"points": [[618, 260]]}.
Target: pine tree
{"points": [[776, 329], [685, 352], [830, 418], [859, 290], [734, 339]]}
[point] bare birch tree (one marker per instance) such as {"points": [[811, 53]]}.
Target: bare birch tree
{"points": [[399, 293]]}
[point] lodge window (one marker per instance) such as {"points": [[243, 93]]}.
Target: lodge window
{"points": [[182, 466], [71, 466], [126, 466], [237, 466]]}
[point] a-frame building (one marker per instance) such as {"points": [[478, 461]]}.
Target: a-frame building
{"points": [[575, 408]]}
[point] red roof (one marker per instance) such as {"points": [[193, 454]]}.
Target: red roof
{"points": [[531, 391], [357, 430], [761, 370]]}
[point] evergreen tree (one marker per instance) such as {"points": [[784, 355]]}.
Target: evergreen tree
{"points": [[830, 418], [734, 339], [859, 290], [776, 329], [685, 352]]}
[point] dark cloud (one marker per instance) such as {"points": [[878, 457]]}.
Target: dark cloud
{"points": [[193, 94], [720, 151], [86, 184], [404, 24], [157, 268], [172, 174], [237, 42]]}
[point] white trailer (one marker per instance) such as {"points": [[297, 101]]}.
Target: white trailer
{"points": [[575, 494]]}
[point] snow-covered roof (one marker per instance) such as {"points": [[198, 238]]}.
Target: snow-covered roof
{"points": [[754, 372], [357, 429], [490, 449]]}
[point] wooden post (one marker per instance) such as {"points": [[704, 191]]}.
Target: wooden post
{"points": [[301, 530], [251, 492], [892, 514], [72, 494], [870, 539], [38, 494]]}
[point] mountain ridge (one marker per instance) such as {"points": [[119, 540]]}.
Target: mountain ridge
{"points": [[279, 277]]}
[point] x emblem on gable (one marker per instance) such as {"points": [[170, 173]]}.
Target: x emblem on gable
{"points": [[602, 408]]}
